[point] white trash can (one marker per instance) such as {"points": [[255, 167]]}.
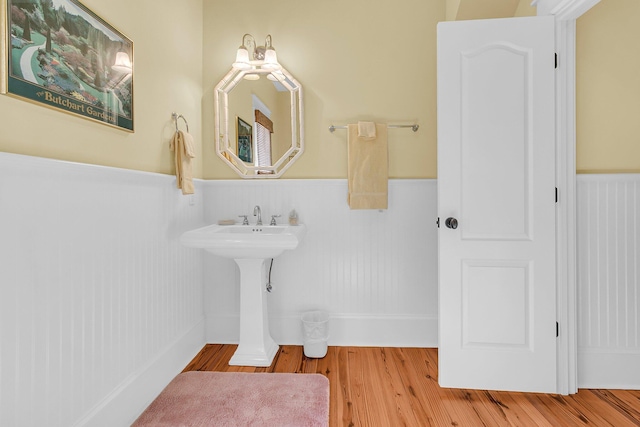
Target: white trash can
{"points": [[315, 325]]}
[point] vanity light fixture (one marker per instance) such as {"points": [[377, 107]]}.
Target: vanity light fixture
{"points": [[264, 57]]}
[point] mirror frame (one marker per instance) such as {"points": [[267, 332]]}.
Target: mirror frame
{"points": [[222, 122]]}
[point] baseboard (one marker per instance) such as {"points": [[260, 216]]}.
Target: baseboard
{"points": [[125, 403], [344, 330], [605, 368], [383, 331]]}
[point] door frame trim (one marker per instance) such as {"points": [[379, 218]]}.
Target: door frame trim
{"points": [[566, 12]]}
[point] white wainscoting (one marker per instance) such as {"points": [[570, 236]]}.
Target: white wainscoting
{"points": [[608, 281], [99, 305], [374, 272]]}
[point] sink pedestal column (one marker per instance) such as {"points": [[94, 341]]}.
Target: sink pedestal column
{"points": [[256, 347]]}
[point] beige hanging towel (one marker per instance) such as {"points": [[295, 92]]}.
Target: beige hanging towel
{"points": [[368, 162], [182, 144]]}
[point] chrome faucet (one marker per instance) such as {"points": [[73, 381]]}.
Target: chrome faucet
{"points": [[256, 211]]}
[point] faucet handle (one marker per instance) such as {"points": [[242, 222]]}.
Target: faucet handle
{"points": [[273, 219], [245, 221]]}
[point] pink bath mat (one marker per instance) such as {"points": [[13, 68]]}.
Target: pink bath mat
{"points": [[240, 399]]}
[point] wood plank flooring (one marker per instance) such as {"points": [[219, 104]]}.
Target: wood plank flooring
{"points": [[399, 387]]}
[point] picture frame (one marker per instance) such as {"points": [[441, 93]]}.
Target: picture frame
{"points": [[61, 55], [244, 140]]}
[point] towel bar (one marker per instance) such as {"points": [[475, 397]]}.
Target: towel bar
{"points": [[413, 127]]}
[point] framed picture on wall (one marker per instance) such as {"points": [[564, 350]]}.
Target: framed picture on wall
{"points": [[59, 54], [244, 132]]}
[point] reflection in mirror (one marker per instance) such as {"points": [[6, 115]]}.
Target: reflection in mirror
{"points": [[258, 121]]}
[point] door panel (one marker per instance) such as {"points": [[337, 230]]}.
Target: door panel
{"points": [[480, 190], [496, 322], [496, 162]]}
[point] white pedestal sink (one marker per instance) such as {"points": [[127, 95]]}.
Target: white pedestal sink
{"points": [[249, 246]]}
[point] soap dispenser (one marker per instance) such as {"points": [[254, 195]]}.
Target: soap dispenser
{"points": [[293, 217]]}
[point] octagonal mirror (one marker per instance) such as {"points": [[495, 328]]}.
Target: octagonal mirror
{"points": [[258, 121]]}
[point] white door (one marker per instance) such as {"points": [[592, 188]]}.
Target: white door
{"points": [[496, 179]]}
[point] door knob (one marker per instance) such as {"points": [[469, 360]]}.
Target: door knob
{"points": [[451, 223]]}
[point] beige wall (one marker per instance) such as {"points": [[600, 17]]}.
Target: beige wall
{"points": [[355, 61], [167, 38], [460, 10], [525, 9], [608, 88]]}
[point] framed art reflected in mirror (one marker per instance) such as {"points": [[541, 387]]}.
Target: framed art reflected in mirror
{"points": [[244, 133]]}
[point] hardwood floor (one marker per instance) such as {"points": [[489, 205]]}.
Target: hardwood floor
{"points": [[399, 387]]}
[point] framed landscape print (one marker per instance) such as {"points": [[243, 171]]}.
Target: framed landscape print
{"points": [[59, 54]]}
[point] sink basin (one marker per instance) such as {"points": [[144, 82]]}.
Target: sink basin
{"points": [[249, 246], [245, 241]]}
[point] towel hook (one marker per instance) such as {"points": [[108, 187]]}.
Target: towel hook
{"points": [[175, 118]]}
